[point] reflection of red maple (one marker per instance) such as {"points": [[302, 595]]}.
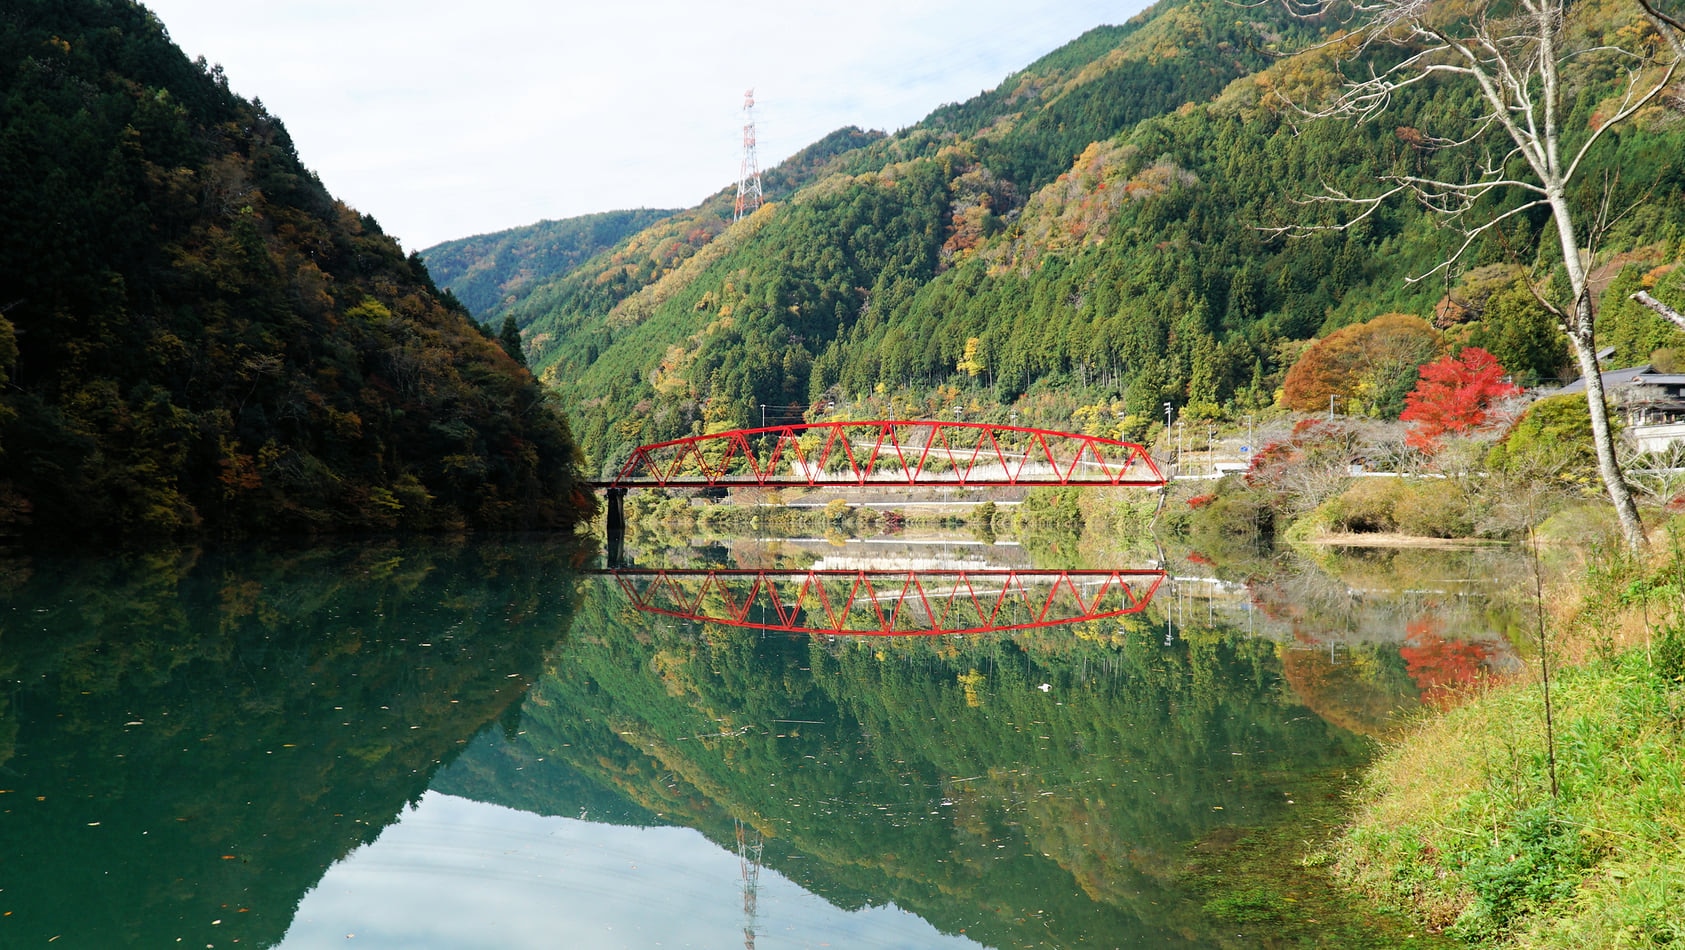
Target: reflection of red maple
{"points": [[1440, 667]]}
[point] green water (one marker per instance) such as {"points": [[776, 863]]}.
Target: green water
{"points": [[477, 744]]}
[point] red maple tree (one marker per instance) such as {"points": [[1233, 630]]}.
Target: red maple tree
{"points": [[1454, 394]]}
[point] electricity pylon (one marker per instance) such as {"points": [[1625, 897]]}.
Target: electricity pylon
{"points": [[749, 174]]}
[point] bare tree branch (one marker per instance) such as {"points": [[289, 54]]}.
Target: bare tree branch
{"points": [[1672, 315], [1664, 20], [1628, 108], [1473, 234]]}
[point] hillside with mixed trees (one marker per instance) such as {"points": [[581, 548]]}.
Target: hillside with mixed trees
{"points": [[489, 273], [1103, 233], [195, 337]]}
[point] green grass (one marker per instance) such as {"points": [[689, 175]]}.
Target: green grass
{"points": [[1457, 823]]}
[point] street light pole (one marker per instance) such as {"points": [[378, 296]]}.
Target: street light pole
{"points": [[1167, 431]]}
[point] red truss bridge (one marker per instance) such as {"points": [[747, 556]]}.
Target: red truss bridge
{"points": [[887, 453], [889, 602]]}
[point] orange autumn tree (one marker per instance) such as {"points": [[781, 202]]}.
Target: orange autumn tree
{"points": [[1367, 367], [1454, 394]]}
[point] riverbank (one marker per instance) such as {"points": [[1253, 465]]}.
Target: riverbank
{"points": [[1480, 822], [1487, 824]]}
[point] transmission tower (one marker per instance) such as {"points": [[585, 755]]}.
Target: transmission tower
{"points": [[749, 175], [749, 847]]}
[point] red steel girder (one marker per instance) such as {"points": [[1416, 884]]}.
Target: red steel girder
{"points": [[889, 602], [887, 453]]}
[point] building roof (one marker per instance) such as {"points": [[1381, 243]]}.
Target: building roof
{"points": [[1632, 376]]}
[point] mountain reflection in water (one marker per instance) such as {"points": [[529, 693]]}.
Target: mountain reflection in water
{"points": [[263, 745]]}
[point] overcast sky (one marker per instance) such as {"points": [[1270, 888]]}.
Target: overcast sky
{"points": [[449, 119]]}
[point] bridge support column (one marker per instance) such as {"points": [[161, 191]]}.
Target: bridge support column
{"points": [[616, 526]]}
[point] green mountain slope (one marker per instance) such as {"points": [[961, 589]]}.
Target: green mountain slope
{"points": [[1094, 238], [490, 272], [197, 337], [556, 306]]}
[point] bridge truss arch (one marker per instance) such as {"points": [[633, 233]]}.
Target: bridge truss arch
{"points": [[888, 453]]}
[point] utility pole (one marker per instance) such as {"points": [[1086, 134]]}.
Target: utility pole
{"points": [[1178, 458], [749, 173]]}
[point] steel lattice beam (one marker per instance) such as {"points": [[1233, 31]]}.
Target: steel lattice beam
{"points": [[886, 454]]}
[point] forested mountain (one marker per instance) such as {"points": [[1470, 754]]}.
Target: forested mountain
{"points": [[490, 272], [1095, 237], [553, 306], [196, 336]]}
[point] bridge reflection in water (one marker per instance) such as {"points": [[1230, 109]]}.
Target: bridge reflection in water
{"points": [[889, 602]]}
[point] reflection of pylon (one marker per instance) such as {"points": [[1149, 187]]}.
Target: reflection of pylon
{"points": [[749, 847], [749, 175]]}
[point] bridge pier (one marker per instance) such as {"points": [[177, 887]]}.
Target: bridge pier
{"points": [[616, 517]]}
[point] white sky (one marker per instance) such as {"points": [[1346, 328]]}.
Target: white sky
{"points": [[449, 119]]}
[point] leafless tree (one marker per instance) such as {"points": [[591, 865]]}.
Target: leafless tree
{"points": [[1513, 56], [1659, 477]]}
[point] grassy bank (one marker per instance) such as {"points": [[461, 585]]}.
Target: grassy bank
{"points": [[1458, 824]]}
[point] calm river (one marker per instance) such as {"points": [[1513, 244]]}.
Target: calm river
{"points": [[486, 744]]}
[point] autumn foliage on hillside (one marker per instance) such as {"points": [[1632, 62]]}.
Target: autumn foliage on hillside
{"points": [[1454, 395], [206, 341], [1366, 367]]}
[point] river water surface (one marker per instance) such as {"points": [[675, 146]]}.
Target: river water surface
{"points": [[489, 744]]}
